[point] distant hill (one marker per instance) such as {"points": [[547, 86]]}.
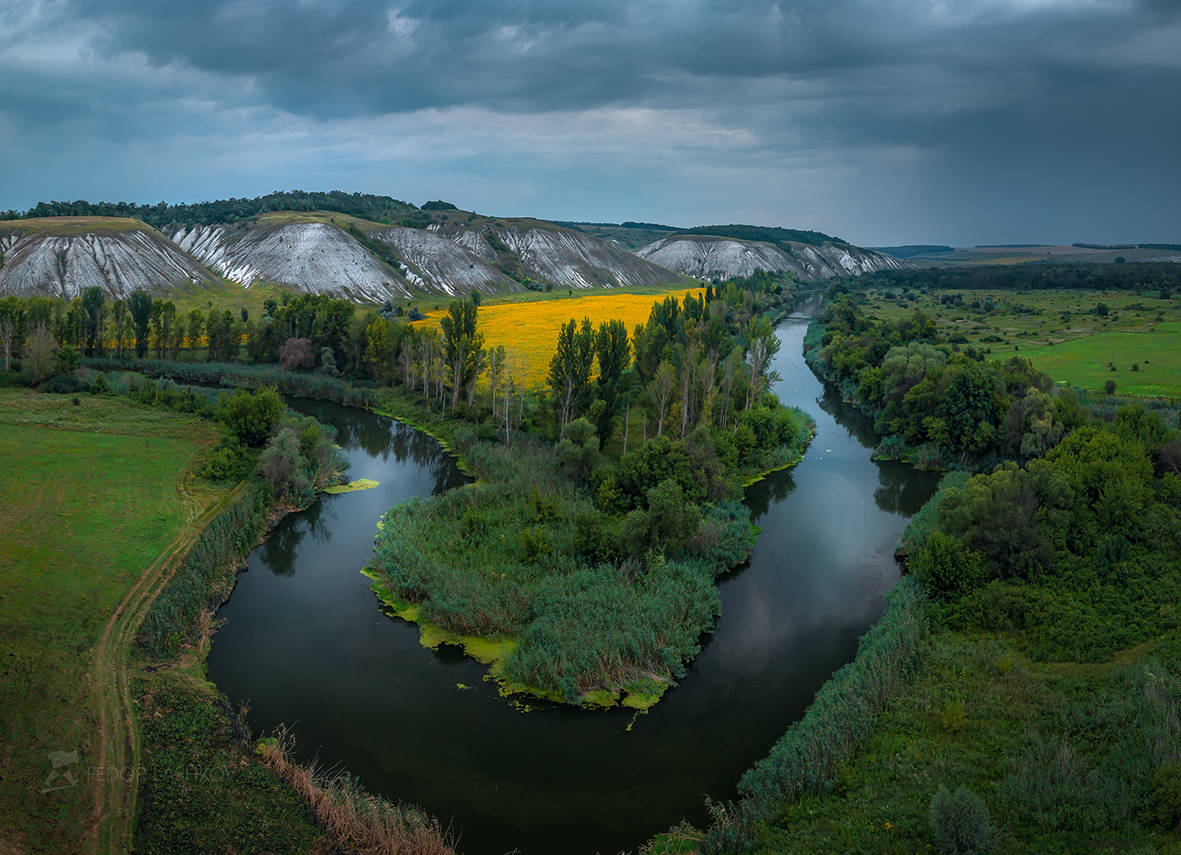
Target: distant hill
{"points": [[911, 250], [381, 209], [708, 256], [374, 248], [767, 234]]}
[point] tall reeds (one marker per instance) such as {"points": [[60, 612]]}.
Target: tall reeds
{"points": [[205, 575], [356, 820]]}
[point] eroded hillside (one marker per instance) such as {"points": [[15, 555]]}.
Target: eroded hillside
{"points": [[707, 257], [314, 257], [63, 256]]}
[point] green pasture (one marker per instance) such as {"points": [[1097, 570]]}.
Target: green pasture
{"points": [[1090, 362], [1063, 333], [90, 494]]}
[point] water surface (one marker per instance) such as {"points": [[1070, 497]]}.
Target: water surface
{"points": [[306, 642]]}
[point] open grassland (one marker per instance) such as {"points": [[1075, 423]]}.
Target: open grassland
{"points": [[529, 330], [74, 226], [227, 294], [90, 495], [1063, 333], [1090, 362], [1054, 750]]}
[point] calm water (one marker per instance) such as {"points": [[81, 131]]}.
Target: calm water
{"points": [[307, 644]]}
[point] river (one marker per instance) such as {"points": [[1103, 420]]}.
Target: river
{"points": [[304, 640]]}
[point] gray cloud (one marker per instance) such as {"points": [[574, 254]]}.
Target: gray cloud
{"points": [[905, 105]]}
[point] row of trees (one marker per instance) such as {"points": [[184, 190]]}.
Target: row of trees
{"points": [[1164, 278], [700, 361], [382, 209]]}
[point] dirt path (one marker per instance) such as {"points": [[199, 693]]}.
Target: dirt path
{"points": [[110, 688]]}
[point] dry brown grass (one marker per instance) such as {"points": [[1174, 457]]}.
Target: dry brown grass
{"points": [[355, 819]]}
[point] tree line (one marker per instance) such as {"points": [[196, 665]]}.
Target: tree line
{"points": [[381, 209], [1165, 278]]}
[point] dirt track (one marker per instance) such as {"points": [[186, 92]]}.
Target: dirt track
{"points": [[109, 680]]}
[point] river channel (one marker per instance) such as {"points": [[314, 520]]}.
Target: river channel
{"points": [[306, 642]]}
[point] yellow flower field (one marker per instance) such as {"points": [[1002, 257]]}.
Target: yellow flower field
{"points": [[528, 331]]}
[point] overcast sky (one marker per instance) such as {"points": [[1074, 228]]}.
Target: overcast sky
{"points": [[881, 121]]}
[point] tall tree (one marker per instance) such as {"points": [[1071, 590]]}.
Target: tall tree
{"points": [[119, 319], [761, 347], [92, 313], [140, 306], [462, 346], [39, 352], [570, 369], [660, 392], [614, 352]]}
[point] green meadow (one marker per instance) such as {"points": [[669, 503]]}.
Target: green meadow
{"points": [[1141, 362], [1064, 333], [90, 494]]}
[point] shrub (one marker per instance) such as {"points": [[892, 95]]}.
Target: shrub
{"points": [[960, 822], [946, 567], [1165, 785], [252, 416], [296, 353]]}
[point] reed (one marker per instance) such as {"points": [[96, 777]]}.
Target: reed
{"points": [[356, 820]]}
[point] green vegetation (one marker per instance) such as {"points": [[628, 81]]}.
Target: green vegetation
{"points": [[1057, 753], [1026, 277], [591, 578], [91, 494], [767, 234], [1044, 714], [200, 787], [1147, 362], [1078, 337], [119, 486]]}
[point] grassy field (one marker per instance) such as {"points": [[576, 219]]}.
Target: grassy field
{"points": [[529, 330], [73, 226], [1061, 333], [89, 496], [1026, 737]]}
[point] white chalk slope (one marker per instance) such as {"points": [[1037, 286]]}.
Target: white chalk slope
{"points": [[706, 257], [36, 261], [565, 257], [439, 264], [314, 257]]}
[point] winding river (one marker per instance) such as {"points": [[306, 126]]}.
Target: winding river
{"points": [[306, 643]]}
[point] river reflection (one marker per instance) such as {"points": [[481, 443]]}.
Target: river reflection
{"points": [[308, 645]]}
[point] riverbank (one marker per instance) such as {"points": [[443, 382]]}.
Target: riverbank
{"points": [[113, 481]]}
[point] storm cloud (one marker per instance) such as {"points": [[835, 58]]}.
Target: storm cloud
{"points": [[897, 121]]}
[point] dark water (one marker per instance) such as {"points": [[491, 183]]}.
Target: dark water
{"points": [[306, 643]]}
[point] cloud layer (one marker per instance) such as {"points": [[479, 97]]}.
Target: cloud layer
{"points": [[894, 121]]}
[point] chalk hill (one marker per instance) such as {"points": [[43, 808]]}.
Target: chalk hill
{"points": [[63, 256], [406, 252], [708, 256]]}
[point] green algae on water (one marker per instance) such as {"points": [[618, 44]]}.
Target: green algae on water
{"points": [[352, 486]]}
